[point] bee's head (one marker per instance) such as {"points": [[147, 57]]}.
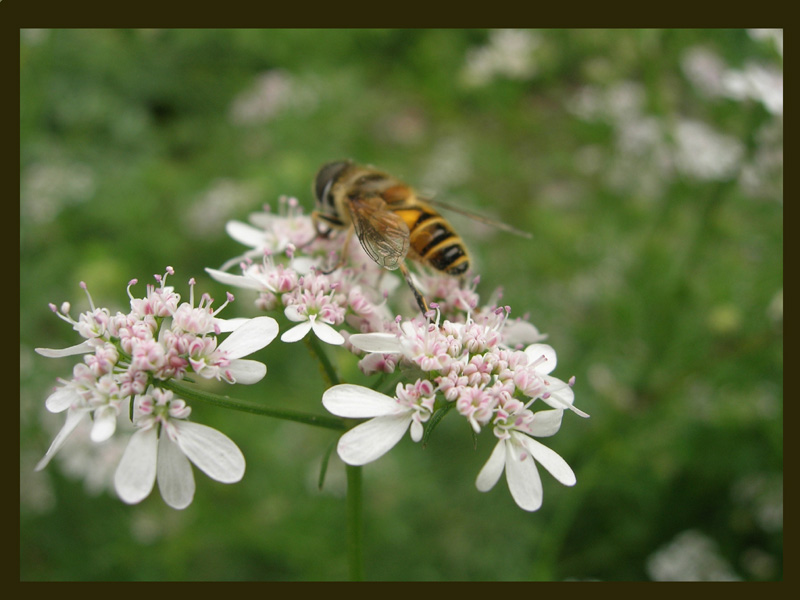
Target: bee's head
{"points": [[325, 179]]}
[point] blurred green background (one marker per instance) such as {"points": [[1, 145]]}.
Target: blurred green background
{"points": [[647, 163]]}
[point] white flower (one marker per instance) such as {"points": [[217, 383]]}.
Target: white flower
{"points": [[162, 448], [389, 418], [558, 394], [309, 322], [517, 454], [248, 336]]}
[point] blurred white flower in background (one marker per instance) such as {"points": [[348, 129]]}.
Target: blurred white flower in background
{"points": [[509, 53], [691, 556]]}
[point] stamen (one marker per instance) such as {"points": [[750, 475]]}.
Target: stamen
{"points": [[88, 295]]}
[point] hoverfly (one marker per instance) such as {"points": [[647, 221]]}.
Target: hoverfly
{"points": [[391, 221]]}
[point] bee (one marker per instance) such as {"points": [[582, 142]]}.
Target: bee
{"points": [[391, 221]]}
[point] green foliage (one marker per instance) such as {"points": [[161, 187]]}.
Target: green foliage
{"points": [[660, 287]]}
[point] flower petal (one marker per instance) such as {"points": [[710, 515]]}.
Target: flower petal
{"points": [[296, 333], [521, 332], [493, 468], [82, 348], [174, 474], [245, 234], [211, 451], [546, 422], [74, 417], [326, 333], [560, 395], [371, 440], [358, 402], [253, 335], [62, 399], [523, 478], [536, 351], [550, 460], [228, 325], [105, 424], [239, 281], [136, 472], [246, 371], [293, 314], [376, 342]]}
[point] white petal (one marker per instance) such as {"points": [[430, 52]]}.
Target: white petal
{"points": [[105, 424], [82, 348], [174, 474], [521, 332], [296, 333], [228, 325], [546, 422], [358, 402], [211, 451], [536, 351], [245, 234], [493, 468], [303, 264], [371, 440], [523, 478], [246, 371], [253, 335], [136, 472], [239, 281], [550, 460], [293, 314], [74, 417], [326, 333], [62, 399], [561, 396], [376, 342]]}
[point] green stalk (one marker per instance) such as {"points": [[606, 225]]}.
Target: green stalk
{"points": [[355, 519], [329, 373], [191, 393], [355, 529]]}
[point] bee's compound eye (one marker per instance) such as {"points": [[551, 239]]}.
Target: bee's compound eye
{"points": [[326, 176]]}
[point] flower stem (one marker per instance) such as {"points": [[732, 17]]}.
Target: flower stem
{"points": [[191, 393], [355, 546], [327, 368]]}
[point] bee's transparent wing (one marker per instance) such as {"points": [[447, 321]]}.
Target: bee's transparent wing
{"points": [[382, 233], [479, 217]]}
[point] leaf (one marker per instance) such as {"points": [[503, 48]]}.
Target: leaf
{"points": [[434, 421], [323, 469]]}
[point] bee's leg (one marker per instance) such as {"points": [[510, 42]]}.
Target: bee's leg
{"points": [[343, 254], [423, 305]]}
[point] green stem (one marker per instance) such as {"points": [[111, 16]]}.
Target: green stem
{"points": [[191, 393], [327, 368], [355, 519], [355, 546]]}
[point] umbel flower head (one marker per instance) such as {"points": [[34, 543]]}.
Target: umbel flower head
{"points": [[128, 356], [493, 371], [466, 366]]}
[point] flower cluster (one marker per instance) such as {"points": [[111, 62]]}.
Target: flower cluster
{"points": [[322, 286], [128, 357], [460, 355], [470, 367]]}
